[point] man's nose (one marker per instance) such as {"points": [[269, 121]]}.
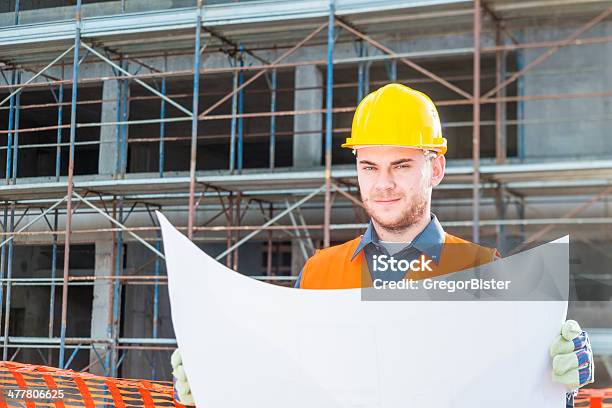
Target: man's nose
{"points": [[385, 181]]}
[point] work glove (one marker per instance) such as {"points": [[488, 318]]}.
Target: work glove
{"points": [[572, 357], [182, 390]]}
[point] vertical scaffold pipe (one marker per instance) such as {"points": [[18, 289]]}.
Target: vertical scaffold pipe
{"points": [[240, 150], [520, 105], [272, 118], [116, 307], [232, 150], [58, 139], [11, 122], [3, 255], [194, 120], [360, 73], [54, 248], [125, 96], [54, 245], [17, 10], [7, 177], [16, 132], [328, 124], [73, 106], [9, 276], [118, 125], [162, 126], [476, 128]]}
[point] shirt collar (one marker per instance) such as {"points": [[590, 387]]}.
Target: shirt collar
{"points": [[428, 241]]}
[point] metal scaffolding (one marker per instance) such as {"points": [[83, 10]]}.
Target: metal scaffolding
{"points": [[278, 196]]}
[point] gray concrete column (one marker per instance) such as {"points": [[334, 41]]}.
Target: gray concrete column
{"points": [[108, 134], [297, 259], [307, 147], [101, 307]]}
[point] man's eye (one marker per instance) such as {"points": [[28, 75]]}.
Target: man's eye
{"points": [[368, 168], [402, 166]]}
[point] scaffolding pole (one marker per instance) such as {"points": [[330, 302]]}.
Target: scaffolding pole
{"points": [[476, 126], [194, 120], [328, 123], [75, 74]]}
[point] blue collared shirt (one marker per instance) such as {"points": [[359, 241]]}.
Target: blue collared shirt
{"points": [[428, 242]]}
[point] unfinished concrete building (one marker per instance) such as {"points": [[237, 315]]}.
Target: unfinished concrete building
{"points": [[100, 127]]}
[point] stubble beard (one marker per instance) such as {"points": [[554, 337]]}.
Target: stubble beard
{"points": [[408, 217]]}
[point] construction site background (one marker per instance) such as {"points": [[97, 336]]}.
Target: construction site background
{"points": [[256, 176]]}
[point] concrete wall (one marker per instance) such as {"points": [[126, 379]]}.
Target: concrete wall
{"points": [[578, 127]]}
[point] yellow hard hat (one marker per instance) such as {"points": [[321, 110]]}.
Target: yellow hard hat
{"points": [[396, 115]]}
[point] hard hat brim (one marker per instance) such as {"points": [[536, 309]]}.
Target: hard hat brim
{"points": [[436, 148]]}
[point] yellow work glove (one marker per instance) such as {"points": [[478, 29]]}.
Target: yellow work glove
{"points": [[182, 391], [572, 357]]}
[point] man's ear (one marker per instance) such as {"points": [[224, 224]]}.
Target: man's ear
{"points": [[438, 165]]}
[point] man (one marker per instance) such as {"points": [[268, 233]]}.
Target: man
{"points": [[397, 139]]}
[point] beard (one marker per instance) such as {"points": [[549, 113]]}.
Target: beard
{"points": [[407, 217]]}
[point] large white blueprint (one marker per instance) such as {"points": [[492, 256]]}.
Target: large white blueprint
{"points": [[246, 343]]}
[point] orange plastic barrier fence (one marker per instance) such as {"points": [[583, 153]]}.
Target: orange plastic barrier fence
{"points": [[57, 388], [594, 398], [41, 386]]}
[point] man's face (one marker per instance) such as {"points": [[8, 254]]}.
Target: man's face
{"points": [[396, 184]]}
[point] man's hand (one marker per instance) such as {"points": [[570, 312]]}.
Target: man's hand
{"points": [[182, 391], [572, 357]]}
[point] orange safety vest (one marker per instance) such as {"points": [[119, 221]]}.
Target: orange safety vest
{"points": [[332, 268]]}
